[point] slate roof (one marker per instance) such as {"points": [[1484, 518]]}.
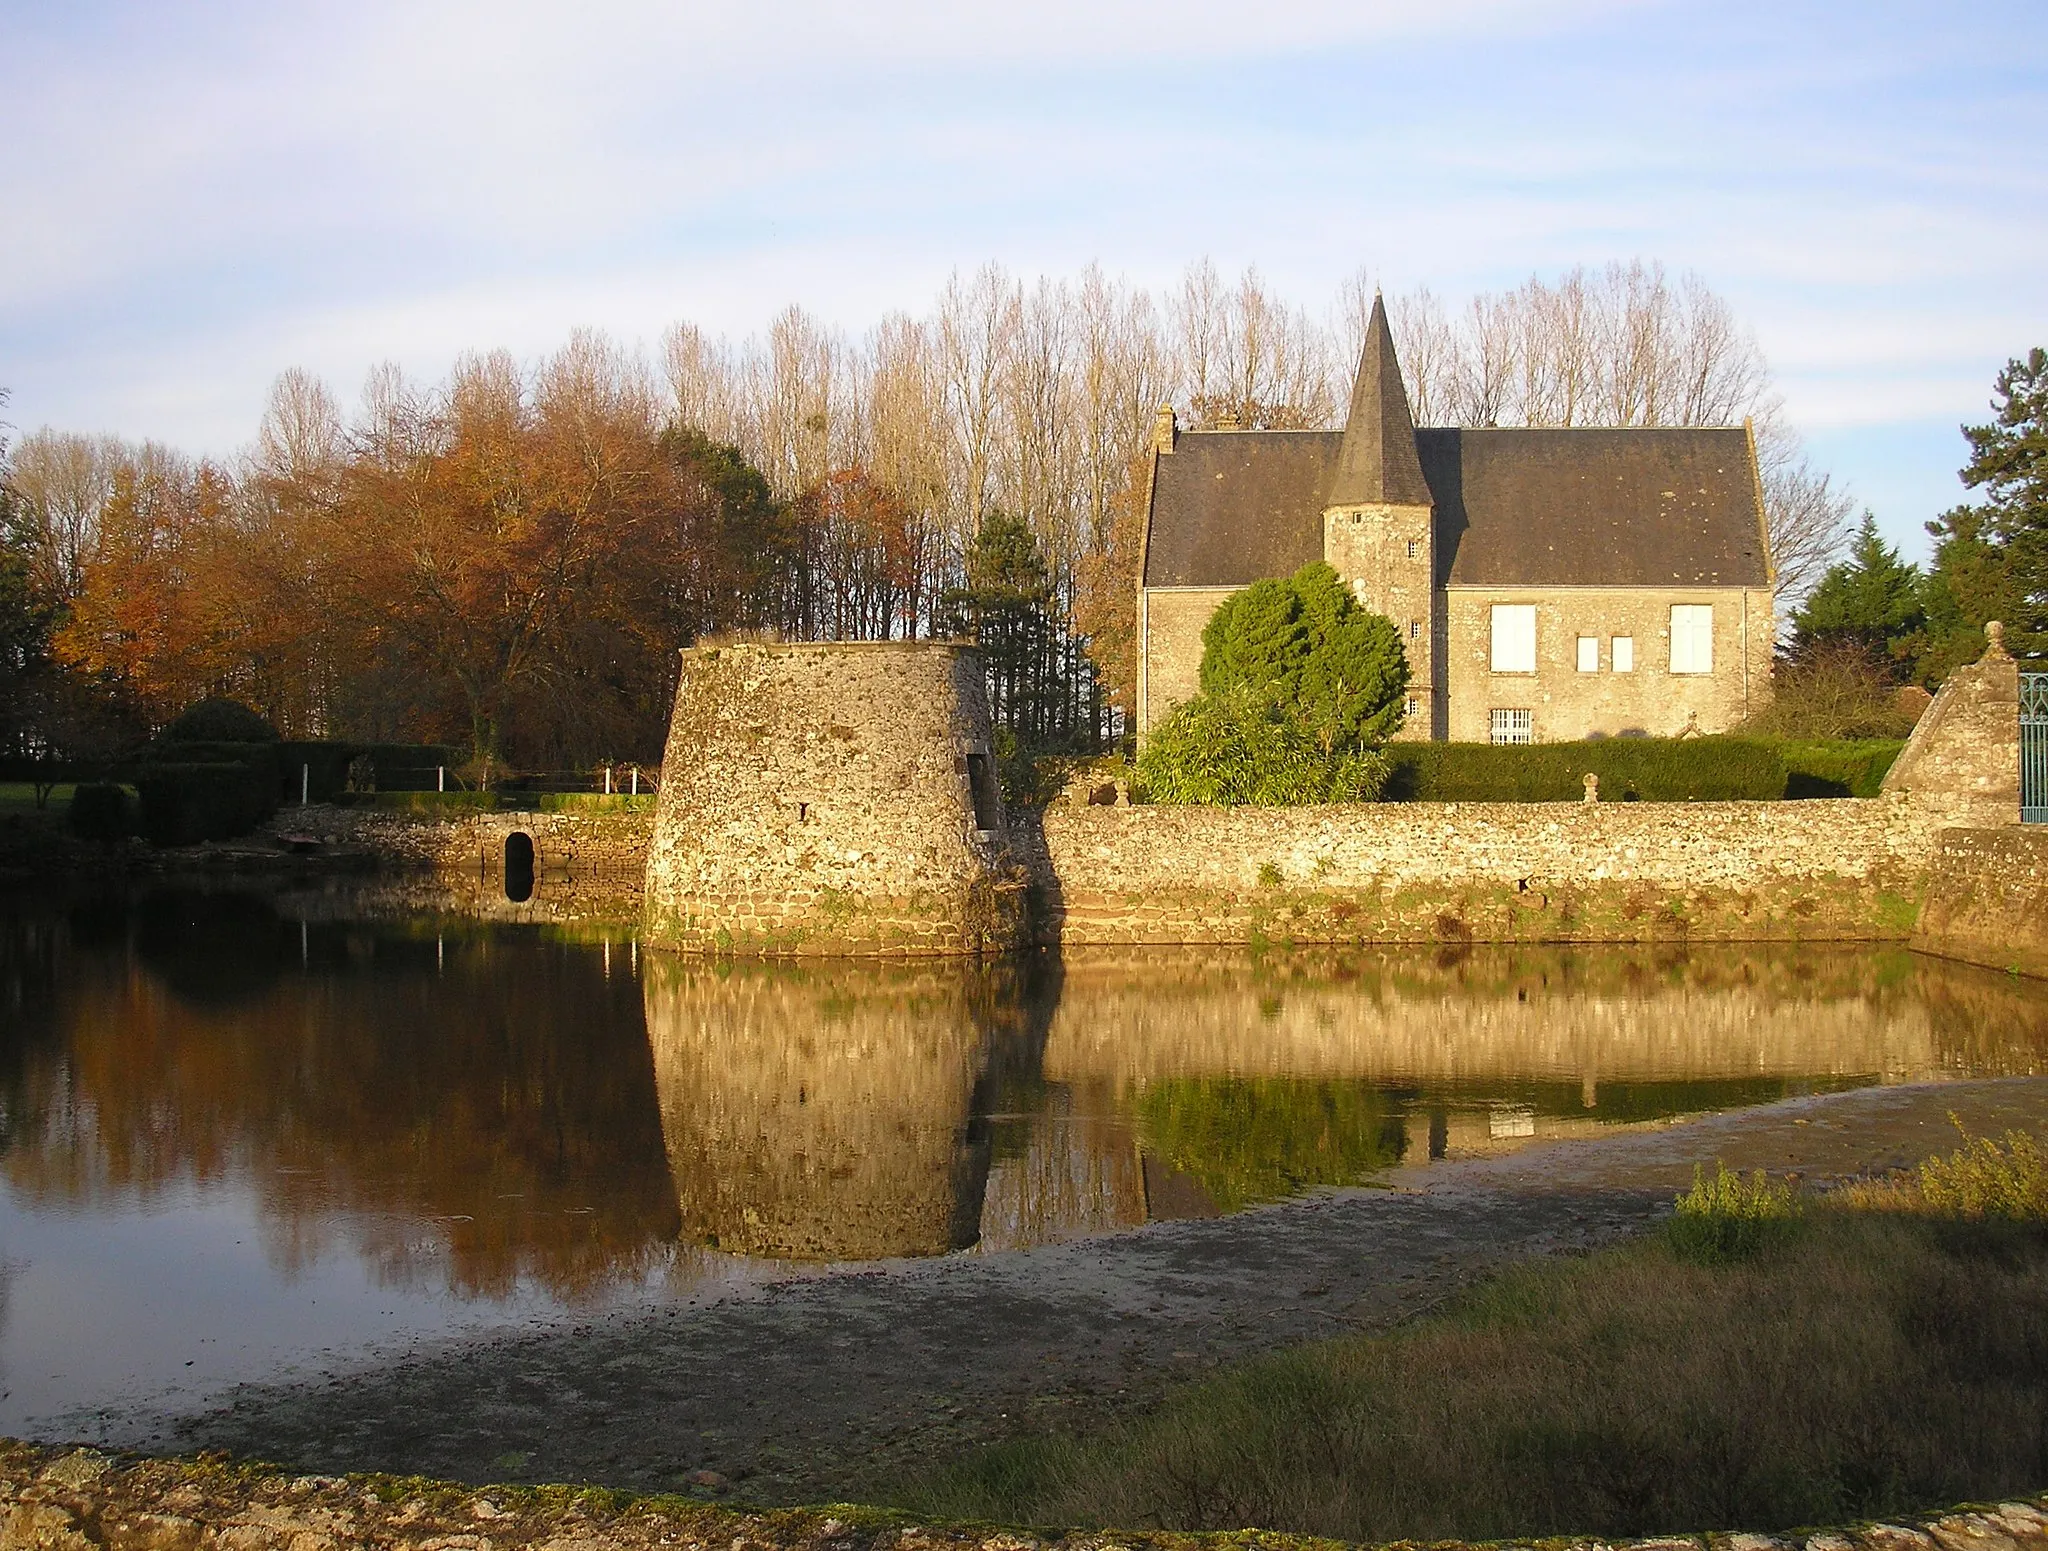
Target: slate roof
{"points": [[1376, 462], [1514, 507]]}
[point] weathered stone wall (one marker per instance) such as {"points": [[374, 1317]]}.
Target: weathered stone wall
{"points": [[1490, 872], [1987, 898], [1370, 547], [1567, 704], [831, 799], [1963, 759]]}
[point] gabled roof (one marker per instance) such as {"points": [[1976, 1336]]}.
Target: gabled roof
{"points": [[1376, 463], [1514, 507]]}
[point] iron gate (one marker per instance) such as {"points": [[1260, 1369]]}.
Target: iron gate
{"points": [[2034, 748]]}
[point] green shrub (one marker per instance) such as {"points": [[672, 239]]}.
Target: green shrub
{"points": [[1305, 645], [218, 720], [1235, 749], [1983, 1178], [100, 811], [183, 804], [1717, 769], [1729, 1217]]}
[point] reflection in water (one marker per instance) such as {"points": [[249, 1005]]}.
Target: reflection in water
{"points": [[825, 1114], [214, 1107]]}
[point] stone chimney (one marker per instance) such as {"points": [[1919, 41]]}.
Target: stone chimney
{"points": [[1163, 429]]}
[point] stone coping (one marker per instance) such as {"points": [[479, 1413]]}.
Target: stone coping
{"points": [[65, 1499]]}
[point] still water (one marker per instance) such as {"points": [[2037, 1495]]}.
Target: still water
{"points": [[245, 1137]]}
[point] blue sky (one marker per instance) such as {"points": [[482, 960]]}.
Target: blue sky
{"points": [[194, 197]]}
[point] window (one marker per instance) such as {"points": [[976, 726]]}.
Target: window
{"points": [[1511, 726], [1692, 638], [1412, 547], [1514, 638], [1589, 654], [1624, 654], [1415, 630], [1412, 706]]}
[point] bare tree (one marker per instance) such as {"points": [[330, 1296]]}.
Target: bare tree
{"points": [[63, 482]]}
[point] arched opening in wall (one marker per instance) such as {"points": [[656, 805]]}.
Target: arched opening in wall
{"points": [[986, 791], [519, 867]]}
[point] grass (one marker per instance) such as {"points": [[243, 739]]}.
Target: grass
{"points": [[20, 797], [1761, 1361]]}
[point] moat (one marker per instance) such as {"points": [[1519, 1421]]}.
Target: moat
{"points": [[249, 1138]]}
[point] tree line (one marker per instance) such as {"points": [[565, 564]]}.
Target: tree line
{"points": [[510, 558]]}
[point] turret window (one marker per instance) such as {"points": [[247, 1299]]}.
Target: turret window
{"points": [[1414, 548]]}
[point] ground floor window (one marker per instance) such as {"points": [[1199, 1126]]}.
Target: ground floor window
{"points": [[1512, 725], [1624, 648], [1589, 654]]}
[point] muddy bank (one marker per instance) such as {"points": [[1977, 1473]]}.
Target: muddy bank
{"points": [[821, 1387]]}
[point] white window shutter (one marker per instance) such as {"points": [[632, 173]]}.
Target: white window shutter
{"points": [[1514, 638]]}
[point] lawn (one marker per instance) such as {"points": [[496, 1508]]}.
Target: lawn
{"points": [[1761, 1362]]}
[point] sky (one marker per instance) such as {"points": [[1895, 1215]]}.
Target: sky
{"points": [[194, 197]]}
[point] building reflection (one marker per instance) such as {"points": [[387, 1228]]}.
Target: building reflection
{"points": [[480, 1110]]}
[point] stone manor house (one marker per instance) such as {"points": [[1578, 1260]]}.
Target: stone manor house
{"points": [[1547, 584]]}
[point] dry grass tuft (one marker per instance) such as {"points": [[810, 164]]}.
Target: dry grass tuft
{"points": [[1758, 1363]]}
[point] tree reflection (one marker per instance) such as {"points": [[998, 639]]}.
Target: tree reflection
{"points": [[479, 1110]]}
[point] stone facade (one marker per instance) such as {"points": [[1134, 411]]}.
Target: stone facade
{"points": [[832, 798], [1963, 759], [1567, 703], [1483, 872], [1987, 898], [1602, 530], [1170, 623], [1388, 554]]}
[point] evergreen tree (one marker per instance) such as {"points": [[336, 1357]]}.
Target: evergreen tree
{"points": [[1041, 685], [1991, 561], [1299, 686], [1871, 601], [1306, 646]]}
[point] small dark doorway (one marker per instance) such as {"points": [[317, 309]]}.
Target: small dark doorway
{"points": [[519, 867]]}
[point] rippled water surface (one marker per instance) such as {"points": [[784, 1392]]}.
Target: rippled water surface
{"points": [[243, 1136]]}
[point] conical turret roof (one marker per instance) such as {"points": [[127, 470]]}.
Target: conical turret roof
{"points": [[1378, 464]]}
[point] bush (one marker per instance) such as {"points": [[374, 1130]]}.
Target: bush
{"points": [[1630, 770], [1236, 749], [1730, 1218], [218, 720], [183, 804], [1984, 1179], [1305, 645], [1835, 691], [99, 811]]}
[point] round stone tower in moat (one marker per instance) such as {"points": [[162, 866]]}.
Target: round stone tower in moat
{"points": [[824, 799]]}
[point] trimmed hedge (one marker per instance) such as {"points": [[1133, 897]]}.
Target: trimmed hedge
{"points": [[218, 720], [100, 811], [408, 767], [1850, 768], [323, 763], [1714, 769], [184, 803]]}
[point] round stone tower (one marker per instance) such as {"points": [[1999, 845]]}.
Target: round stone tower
{"points": [[824, 799]]}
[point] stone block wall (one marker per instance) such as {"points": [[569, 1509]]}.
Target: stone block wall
{"points": [[1482, 872], [1566, 704], [834, 798], [1170, 625], [1987, 898]]}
